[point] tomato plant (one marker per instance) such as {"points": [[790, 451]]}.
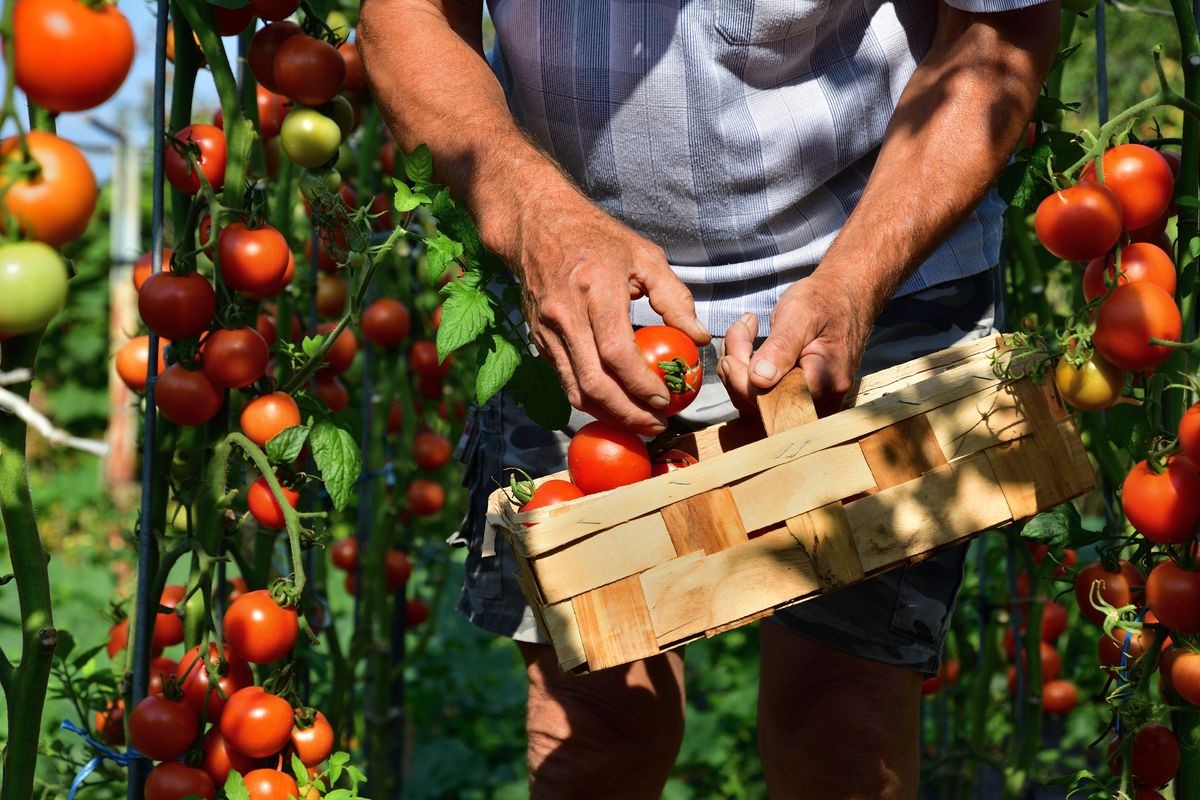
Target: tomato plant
{"points": [[265, 508]]}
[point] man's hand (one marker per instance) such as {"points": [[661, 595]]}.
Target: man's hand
{"points": [[820, 324], [579, 269]]}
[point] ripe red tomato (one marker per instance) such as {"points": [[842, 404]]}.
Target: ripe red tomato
{"points": [[313, 744], [220, 758], [1118, 588], [431, 450], [602, 457], [1059, 696], [186, 396], [1164, 507], [260, 631], [118, 637], [425, 497], [416, 611], [162, 729], [162, 669], [1079, 223], [1155, 754], [430, 388], [55, 205], [1140, 261], [341, 355], [308, 70], [174, 780], [1173, 594], [931, 685], [141, 267], [177, 306], [663, 345], [266, 325], [332, 393], [256, 723], [198, 690], [109, 723], [671, 460], [274, 10], [271, 111], [1054, 621], [266, 416], [1129, 318], [344, 553], [1183, 672], [1140, 178], [265, 508], [132, 359], [263, 47], [1189, 433], [551, 493], [70, 56], [386, 323], [423, 360], [269, 784], [253, 260], [395, 420], [332, 294], [232, 21], [1091, 386], [210, 161], [235, 358], [397, 569], [356, 77], [168, 627]]}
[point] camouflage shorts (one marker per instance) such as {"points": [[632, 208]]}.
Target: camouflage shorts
{"points": [[898, 617]]}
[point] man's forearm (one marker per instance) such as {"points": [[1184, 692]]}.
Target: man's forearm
{"points": [[425, 61], [954, 127]]}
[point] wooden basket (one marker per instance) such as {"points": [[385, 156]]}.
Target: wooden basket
{"points": [[931, 453]]}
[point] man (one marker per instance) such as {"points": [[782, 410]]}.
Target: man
{"points": [[815, 172]]}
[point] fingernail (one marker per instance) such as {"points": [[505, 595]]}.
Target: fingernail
{"points": [[745, 318], [765, 369], [658, 401]]}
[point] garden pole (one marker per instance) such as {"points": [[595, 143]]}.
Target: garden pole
{"points": [[1101, 65]]}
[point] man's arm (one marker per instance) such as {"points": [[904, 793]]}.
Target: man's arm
{"points": [[954, 127], [578, 266]]}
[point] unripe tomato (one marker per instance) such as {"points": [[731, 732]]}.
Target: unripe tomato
{"points": [[332, 294], [1129, 318], [263, 47], [416, 611], [260, 631], [142, 267], [232, 21], [1140, 178], [220, 758], [198, 690], [313, 744], [1118, 588], [269, 784], [344, 554], [33, 283], [425, 497], [235, 358], [55, 205], [162, 729], [356, 76], [70, 56], [423, 360], [308, 70], [386, 323], [1094, 385], [343, 113], [341, 355], [1173, 594], [1164, 507], [431, 450], [256, 723], [1059, 696], [602, 457], [274, 10], [310, 138], [210, 161], [265, 508], [397, 569], [265, 416], [177, 306], [1189, 433], [173, 780], [252, 259], [1140, 261], [186, 397], [1079, 223], [662, 344], [168, 627], [332, 392]]}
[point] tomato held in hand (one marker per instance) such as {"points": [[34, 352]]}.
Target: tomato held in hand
{"points": [[198, 690], [256, 723], [177, 306], [234, 359], [1079, 223], [186, 396], [308, 70], [266, 416], [265, 508], [672, 354], [1164, 507], [551, 493], [55, 205], [174, 780], [270, 784], [33, 283], [386, 323], [313, 744], [1140, 178], [602, 457], [259, 630], [1140, 261], [1131, 316], [162, 729], [1173, 594], [204, 143], [1121, 588]]}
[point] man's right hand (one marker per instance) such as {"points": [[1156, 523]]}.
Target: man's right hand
{"points": [[579, 270]]}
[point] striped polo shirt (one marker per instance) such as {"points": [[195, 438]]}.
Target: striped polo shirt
{"points": [[735, 134]]}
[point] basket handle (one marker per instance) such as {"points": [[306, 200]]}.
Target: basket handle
{"points": [[788, 404]]}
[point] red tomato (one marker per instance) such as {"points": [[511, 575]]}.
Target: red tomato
{"points": [[219, 758], [173, 780], [673, 356], [269, 784], [256, 723], [313, 744], [431, 450], [430, 388], [1173, 594], [397, 569], [344, 553], [133, 358], [1164, 507], [252, 259], [142, 267], [423, 360], [1155, 756], [931, 685], [671, 460], [1054, 621], [602, 457], [416, 611], [265, 324], [274, 10], [265, 508], [341, 355], [1059, 696], [1140, 178], [162, 669], [266, 416], [118, 637], [162, 729], [198, 691], [237, 588], [260, 631], [1129, 318], [551, 493], [1117, 589], [332, 293], [1183, 672], [232, 21], [55, 205], [177, 306], [1079, 223], [271, 111], [186, 396], [70, 56], [395, 420], [210, 160], [1189, 433], [236, 358], [168, 626], [308, 70], [425, 497], [110, 723], [1051, 665], [386, 323], [332, 393], [356, 76], [263, 47], [1140, 261]]}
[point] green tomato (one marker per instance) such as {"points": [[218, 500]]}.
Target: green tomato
{"points": [[320, 182], [346, 162], [339, 23], [33, 283], [309, 138], [342, 113]]}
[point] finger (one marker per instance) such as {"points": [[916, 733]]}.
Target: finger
{"points": [[619, 353], [735, 375], [779, 353], [827, 382], [672, 301], [739, 339], [600, 394]]}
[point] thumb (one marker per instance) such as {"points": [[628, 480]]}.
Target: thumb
{"points": [[672, 301], [779, 353]]}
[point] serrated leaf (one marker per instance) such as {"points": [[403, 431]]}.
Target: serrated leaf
{"points": [[418, 166], [286, 445], [498, 364], [539, 391], [235, 787], [339, 794], [406, 199], [466, 313], [338, 460], [440, 251], [1053, 527]]}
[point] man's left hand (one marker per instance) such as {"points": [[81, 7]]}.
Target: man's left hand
{"points": [[821, 323]]}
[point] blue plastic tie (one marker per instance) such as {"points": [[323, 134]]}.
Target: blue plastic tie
{"points": [[102, 752]]}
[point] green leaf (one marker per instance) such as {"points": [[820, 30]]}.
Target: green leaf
{"points": [[310, 344], [466, 313], [1127, 426], [1194, 246], [418, 166], [286, 445], [498, 364], [440, 252], [338, 460], [298, 769], [66, 643], [1188, 200], [406, 199], [458, 222], [235, 787], [339, 794], [540, 393], [83, 658], [229, 3], [1061, 56], [1025, 182], [1053, 527]]}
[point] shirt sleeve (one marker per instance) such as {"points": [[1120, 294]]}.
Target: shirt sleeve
{"points": [[992, 6]]}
